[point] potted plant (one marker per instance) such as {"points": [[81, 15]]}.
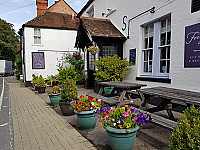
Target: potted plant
{"points": [[54, 95], [121, 125], [84, 107], [41, 85], [68, 93], [93, 50], [34, 81], [186, 134], [110, 69]]}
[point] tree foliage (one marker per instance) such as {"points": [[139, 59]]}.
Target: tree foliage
{"points": [[8, 41]]}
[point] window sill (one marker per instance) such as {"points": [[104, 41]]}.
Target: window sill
{"points": [[162, 80]]}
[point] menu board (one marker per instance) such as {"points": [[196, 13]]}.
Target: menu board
{"points": [[192, 46], [132, 56], [38, 60]]}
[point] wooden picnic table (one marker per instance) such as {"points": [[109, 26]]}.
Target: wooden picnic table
{"points": [[171, 98], [121, 87]]}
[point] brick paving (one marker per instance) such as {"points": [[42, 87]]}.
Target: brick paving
{"points": [[38, 127]]}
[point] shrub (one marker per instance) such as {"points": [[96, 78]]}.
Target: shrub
{"points": [[69, 90], [41, 81], [186, 135], [111, 68], [34, 79], [65, 73]]}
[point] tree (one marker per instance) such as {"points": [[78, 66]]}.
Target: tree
{"points": [[8, 41]]}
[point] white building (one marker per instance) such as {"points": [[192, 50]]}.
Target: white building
{"points": [[163, 38], [47, 38]]}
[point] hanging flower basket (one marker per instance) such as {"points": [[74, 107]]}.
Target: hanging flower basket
{"points": [[93, 50]]}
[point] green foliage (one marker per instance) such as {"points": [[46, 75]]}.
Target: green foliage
{"points": [[34, 79], [8, 41], [51, 79], [54, 90], [41, 81], [111, 68], [65, 73], [186, 135], [93, 48], [77, 62], [18, 62], [69, 90]]}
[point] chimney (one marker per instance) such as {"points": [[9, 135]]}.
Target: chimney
{"points": [[41, 6]]}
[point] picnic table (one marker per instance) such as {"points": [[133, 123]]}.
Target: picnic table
{"points": [[122, 88], [170, 97]]}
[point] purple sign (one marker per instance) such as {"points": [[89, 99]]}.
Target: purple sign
{"points": [[192, 46], [38, 60]]}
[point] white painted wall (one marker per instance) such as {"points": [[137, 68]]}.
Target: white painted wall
{"points": [[181, 16], [53, 41]]}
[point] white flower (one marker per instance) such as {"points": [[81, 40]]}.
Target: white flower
{"points": [[114, 124], [92, 103]]}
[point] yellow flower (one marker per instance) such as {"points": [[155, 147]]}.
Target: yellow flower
{"points": [[126, 105], [129, 111], [128, 125], [123, 107]]}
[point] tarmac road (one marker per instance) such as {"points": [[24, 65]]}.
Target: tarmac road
{"points": [[6, 129]]}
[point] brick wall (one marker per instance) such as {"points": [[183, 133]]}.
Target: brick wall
{"points": [[41, 6]]}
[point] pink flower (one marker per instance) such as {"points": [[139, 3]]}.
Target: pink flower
{"points": [[125, 114], [77, 53]]}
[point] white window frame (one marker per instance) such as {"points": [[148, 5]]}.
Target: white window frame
{"points": [[37, 36], [156, 51]]}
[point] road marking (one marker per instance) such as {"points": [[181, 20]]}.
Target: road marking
{"points": [[5, 124], [1, 97]]}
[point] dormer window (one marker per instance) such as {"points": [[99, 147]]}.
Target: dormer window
{"points": [[90, 12], [37, 36]]}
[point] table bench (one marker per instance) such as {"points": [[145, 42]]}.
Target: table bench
{"points": [[106, 100], [171, 98]]}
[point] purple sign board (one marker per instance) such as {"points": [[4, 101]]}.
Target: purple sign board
{"points": [[192, 46], [38, 60]]}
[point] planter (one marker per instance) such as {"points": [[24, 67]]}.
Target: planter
{"points": [[36, 88], [119, 139], [108, 90], [87, 120], [41, 89], [55, 98], [65, 108]]}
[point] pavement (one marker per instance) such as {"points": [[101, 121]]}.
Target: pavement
{"points": [[38, 126]]}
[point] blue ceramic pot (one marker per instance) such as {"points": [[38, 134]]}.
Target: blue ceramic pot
{"points": [[119, 139], [87, 120]]}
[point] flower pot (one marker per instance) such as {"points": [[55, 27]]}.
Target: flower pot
{"points": [[55, 98], [119, 139], [87, 120], [41, 89], [36, 88], [65, 108]]}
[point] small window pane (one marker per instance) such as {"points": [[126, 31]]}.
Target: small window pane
{"points": [[151, 30], [151, 54], [163, 53], [162, 39], [146, 43], [37, 32], [146, 32], [151, 42], [168, 66], [168, 38], [163, 67], [150, 66], [163, 26], [169, 24], [168, 53], [145, 67], [145, 55]]}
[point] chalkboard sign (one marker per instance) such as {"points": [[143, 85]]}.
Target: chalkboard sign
{"points": [[38, 60], [192, 46], [132, 57]]}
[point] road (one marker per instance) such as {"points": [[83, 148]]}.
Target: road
{"points": [[6, 128]]}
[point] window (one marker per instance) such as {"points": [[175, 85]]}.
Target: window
{"points": [[156, 49], [109, 50], [90, 12], [37, 36], [195, 5]]}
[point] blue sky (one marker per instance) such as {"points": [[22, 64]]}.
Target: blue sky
{"points": [[18, 12]]}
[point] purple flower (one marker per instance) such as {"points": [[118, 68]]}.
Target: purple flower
{"points": [[121, 122], [141, 121], [137, 120], [107, 108], [146, 121], [101, 110], [132, 110]]}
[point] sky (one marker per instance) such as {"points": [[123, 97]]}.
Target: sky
{"points": [[19, 12]]}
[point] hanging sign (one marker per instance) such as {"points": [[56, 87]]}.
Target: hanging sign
{"points": [[192, 46], [38, 60]]}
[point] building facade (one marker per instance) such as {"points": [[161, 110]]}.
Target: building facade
{"points": [[162, 39], [47, 38]]}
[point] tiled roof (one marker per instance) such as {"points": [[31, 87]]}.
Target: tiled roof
{"points": [[54, 20], [101, 27]]}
